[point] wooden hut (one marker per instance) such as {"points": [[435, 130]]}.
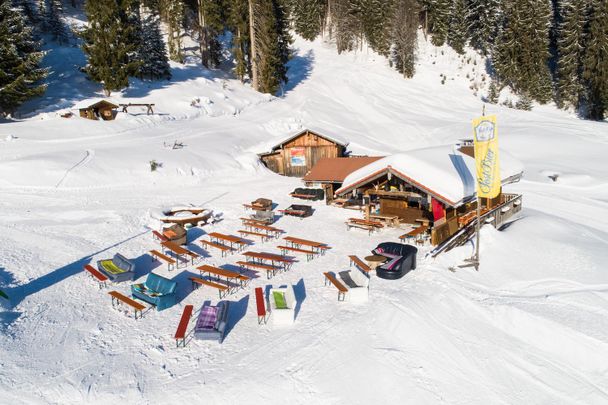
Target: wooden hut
{"points": [[296, 155], [101, 109], [432, 186]]}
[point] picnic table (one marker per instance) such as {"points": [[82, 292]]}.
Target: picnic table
{"points": [[179, 251], [262, 257], [391, 220], [318, 247], [233, 278], [368, 225], [270, 230], [414, 233], [233, 240]]}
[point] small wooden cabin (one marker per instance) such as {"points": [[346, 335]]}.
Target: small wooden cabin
{"points": [[296, 155], [102, 109]]}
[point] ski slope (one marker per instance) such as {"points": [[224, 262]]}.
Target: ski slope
{"points": [[530, 327]]}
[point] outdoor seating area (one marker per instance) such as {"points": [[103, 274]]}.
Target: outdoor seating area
{"points": [[275, 303]]}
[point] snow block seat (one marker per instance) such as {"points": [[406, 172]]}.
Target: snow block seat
{"points": [[117, 269], [402, 259], [156, 290], [211, 322], [282, 305], [357, 283]]}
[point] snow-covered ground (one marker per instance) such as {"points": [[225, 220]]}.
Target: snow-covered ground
{"points": [[530, 327]]}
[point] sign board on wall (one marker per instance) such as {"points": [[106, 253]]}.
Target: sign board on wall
{"points": [[297, 156]]}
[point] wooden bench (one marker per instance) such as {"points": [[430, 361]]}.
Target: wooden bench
{"points": [[263, 236], [415, 233], [220, 287], [156, 255], [342, 290], [369, 226], [223, 248], [310, 254], [118, 298], [359, 264], [244, 280], [101, 278], [260, 303], [159, 236], [180, 333], [270, 270], [303, 196]]}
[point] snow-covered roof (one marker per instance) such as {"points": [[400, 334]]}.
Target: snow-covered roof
{"points": [[441, 171], [320, 132], [93, 102]]}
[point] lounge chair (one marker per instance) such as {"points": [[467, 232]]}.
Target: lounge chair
{"points": [[211, 322], [357, 283], [282, 305], [402, 259], [117, 269], [156, 290]]}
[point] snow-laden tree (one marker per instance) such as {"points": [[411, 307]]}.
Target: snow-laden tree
{"points": [[483, 17], [570, 42], [457, 32], [308, 17], [108, 43], [404, 35], [595, 61], [152, 52], [20, 57]]}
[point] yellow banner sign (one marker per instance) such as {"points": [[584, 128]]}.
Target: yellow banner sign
{"points": [[486, 156]]}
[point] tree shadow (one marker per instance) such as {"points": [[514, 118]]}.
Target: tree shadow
{"points": [[299, 291], [236, 312], [299, 69], [19, 293]]}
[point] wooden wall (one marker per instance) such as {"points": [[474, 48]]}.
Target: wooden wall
{"points": [[315, 148]]}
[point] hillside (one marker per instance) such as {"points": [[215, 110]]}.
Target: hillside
{"points": [[530, 326]]}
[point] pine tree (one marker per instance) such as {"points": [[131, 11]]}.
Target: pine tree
{"points": [[308, 17], [522, 51], [595, 60], [493, 92], [483, 20], [457, 33], [439, 19], [54, 24], [376, 21], [152, 52], [404, 35], [211, 25], [20, 57], [107, 43], [172, 13], [344, 26], [270, 50], [238, 23], [571, 35]]}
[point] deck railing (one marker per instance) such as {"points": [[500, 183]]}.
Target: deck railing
{"points": [[497, 216]]}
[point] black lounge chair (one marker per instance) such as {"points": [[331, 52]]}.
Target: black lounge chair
{"points": [[401, 259]]}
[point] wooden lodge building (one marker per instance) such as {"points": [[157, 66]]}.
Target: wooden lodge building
{"points": [[433, 186], [296, 155], [101, 109]]}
